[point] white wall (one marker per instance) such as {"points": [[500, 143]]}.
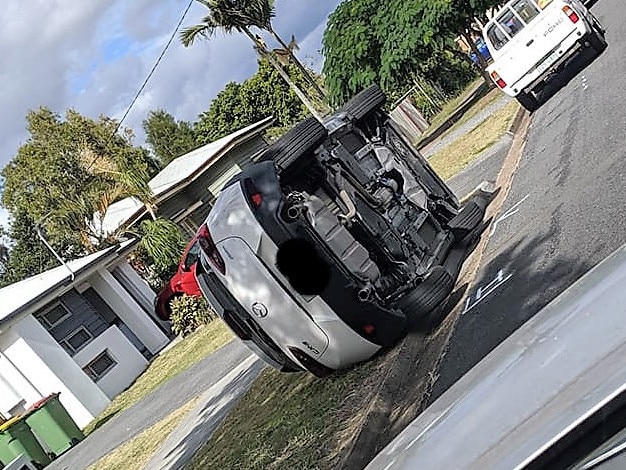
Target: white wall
{"points": [[130, 362], [46, 368], [140, 289], [13, 387], [128, 310]]}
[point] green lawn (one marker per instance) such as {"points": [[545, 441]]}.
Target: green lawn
{"points": [[166, 365]]}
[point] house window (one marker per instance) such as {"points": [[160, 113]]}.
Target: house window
{"points": [[76, 340], [99, 367], [55, 316]]}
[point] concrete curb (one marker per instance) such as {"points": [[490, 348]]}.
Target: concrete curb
{"points": [[513, 129]]}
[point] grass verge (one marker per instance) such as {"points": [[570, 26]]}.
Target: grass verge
{"points": [[135, 454], [455, 157], [166, 365], [451, 106], [283, 420]]}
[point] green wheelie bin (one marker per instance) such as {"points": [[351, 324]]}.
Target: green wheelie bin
{"points": [[16, 439], [53, 425]]}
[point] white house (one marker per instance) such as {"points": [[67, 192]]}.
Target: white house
{"points": [[86, 330]]}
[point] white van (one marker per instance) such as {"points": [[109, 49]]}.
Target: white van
{"points": [[530, 39]]}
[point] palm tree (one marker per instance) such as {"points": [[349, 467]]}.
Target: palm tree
{"points": [[264, 21], [240, 15]]}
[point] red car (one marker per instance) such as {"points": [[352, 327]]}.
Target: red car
{"points": [[183, 282]]}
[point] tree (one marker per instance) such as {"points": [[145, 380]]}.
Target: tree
{"points": [[459, 16], [240, 16], [28, 256], [70, 169], [240, 105], [163, 243], [364, 43], [167, 137]]}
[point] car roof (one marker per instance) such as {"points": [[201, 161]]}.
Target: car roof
{"points": [[552, 373]]}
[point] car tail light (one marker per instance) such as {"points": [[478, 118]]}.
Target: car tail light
{"points": [[207, 245], [369, 329], [571, 14], [254, 195], [310, 364], [497, 79]]}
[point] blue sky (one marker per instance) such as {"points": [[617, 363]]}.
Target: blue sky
{"points": [[93, 56]]}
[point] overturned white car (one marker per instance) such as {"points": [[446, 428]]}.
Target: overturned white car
{"points": [[320, 254]]}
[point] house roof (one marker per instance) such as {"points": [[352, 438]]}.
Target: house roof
{"points": [[175, 176], [19, 297]]}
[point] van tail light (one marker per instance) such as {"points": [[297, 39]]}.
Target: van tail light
{"points": [[571, 14], [253, 194], [310, 364], [207, 245], [497, 79]]}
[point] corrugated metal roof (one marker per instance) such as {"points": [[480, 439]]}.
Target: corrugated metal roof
{"points": [[15, 297], [178, 171]]}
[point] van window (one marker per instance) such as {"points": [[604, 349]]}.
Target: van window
{"points": [[496, 36], [510, 23], [525, 9]]}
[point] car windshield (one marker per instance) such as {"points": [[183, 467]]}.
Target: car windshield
{"points": [[598, 443], [610, 455]]}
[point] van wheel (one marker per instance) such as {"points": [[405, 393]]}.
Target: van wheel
{"points": [[364, 102], [596, 41], [303, 138], [528, 101]]}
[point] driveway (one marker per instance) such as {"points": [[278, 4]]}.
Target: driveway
{"points": [[160, 403]]}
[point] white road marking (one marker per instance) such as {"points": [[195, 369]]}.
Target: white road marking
{"points": [[484, 291], [512, 211]]}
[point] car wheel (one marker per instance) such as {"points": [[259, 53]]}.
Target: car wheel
{"points": [[528, 101], [365, 102], [428, 295], [303, 138]]}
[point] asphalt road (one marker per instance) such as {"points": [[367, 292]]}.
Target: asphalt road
{"points": [[565, 211], [160, 403]]}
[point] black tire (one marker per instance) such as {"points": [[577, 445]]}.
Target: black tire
{"points": [[303, 138], [364, 102], [596, 41], [528, 101], [428, 295]]}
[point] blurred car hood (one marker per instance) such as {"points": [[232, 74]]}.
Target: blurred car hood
{"points": [[557, 369]]}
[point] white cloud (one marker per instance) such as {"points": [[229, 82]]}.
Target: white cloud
{"points": [[94, 55]]}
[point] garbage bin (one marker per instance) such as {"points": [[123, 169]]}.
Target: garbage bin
{"points": [[53, 425], [16, 439]]}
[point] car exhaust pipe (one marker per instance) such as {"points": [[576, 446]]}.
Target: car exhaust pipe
{"points": [[365, 294], [295, 211]]}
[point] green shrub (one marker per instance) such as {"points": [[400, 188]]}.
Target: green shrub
{"points": [[189, 313]]}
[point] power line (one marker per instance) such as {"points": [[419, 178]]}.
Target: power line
{"points": [[156, 64], [147, 79]]}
